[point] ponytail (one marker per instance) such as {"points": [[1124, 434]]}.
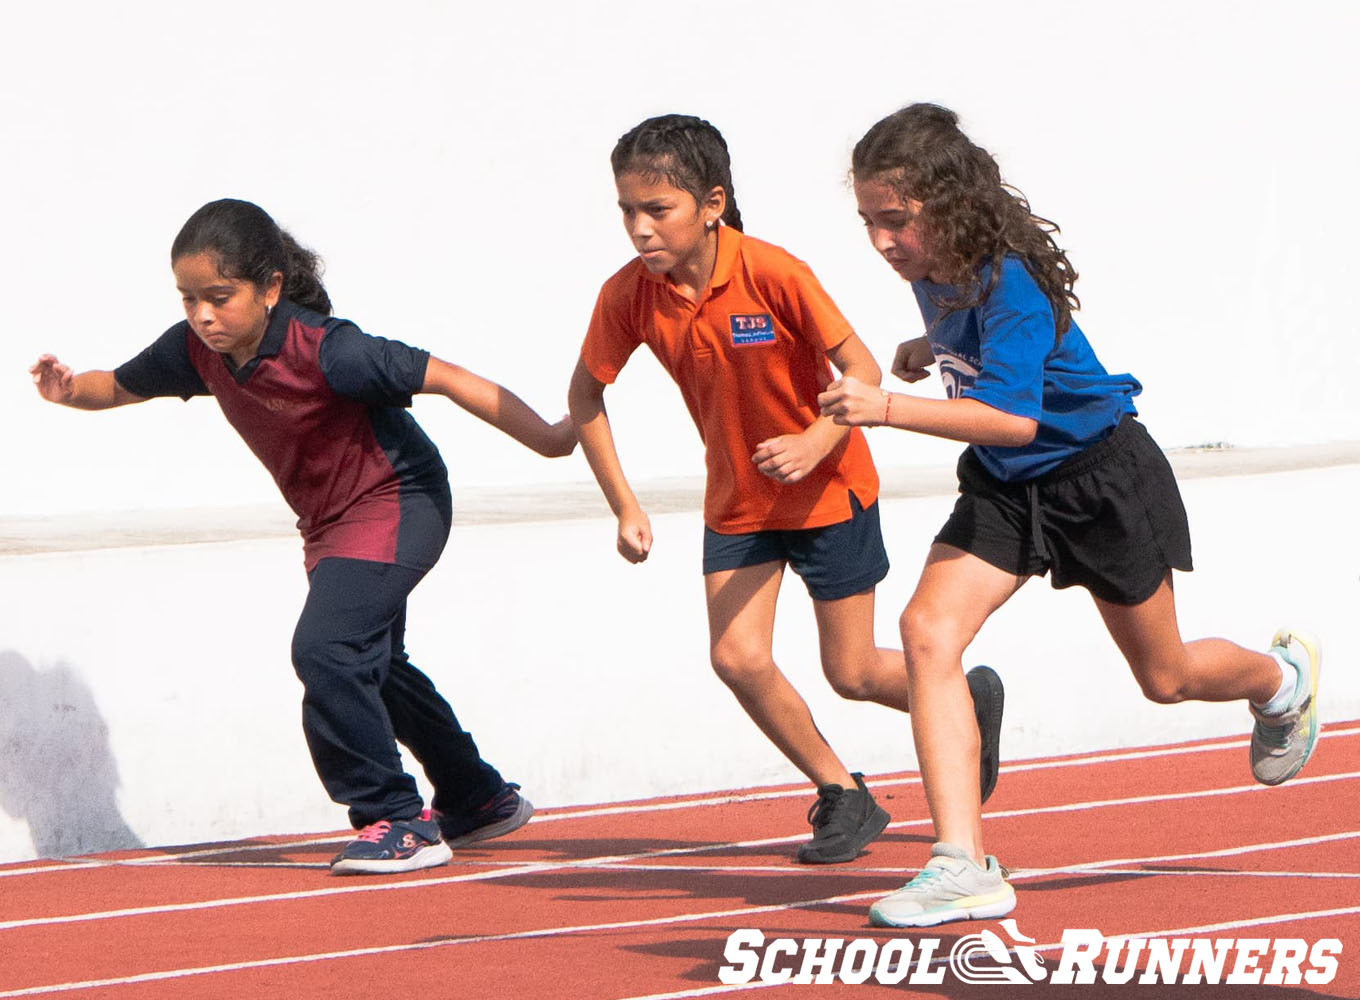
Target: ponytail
{"points": [[687, 151], [302, 276], [249, 245]]}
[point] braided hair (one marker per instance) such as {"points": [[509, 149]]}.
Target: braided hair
{"points": [[686, 151]]}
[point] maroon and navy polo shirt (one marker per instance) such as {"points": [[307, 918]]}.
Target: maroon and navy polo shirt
{"points": [[323, 406]]}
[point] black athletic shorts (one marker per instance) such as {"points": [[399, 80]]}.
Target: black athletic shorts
{"points": [[1109, 519], [836, 561]]}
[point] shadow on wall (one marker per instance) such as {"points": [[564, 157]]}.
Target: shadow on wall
{"points": [[56, 771]]}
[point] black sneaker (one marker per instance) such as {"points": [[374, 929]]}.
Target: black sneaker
{"points": [[843, 820], [989, 698], [400, 845], [505, 811]]}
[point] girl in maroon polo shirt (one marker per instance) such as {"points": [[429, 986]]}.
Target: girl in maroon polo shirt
{"points": [[323, 406]]}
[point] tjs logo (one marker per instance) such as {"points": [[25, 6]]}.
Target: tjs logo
{"points": [[1085, 956], [751, 328]]}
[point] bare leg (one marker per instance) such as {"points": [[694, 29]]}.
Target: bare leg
{"points": [[957, 592], [855, 667], [741, 605], [1170, 670]]}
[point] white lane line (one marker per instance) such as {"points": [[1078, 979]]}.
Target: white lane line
{"points": [[1161, 859], [427, 945], [610, 926], [650, 807], [609, 860]]}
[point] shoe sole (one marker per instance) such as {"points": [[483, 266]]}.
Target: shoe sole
{"points": [[878, 822], [427, 857], [522, 814], [989, 702], [1314, 648], [973, 908]]}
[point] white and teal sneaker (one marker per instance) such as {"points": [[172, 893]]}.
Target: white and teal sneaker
{"points": [[1281, 744], [952, 886]]}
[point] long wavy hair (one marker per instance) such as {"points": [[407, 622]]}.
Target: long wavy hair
{"points": [[969, 216], [250, 246], [687, 152]]}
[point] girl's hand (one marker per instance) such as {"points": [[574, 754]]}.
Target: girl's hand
{"points": [[787, 458], [912, 359], [55, 381], [635, 536], [850, 401]]}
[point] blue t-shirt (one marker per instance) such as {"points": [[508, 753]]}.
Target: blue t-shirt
{"points": [[1005, 352]]}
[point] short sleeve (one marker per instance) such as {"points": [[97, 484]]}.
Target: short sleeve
{"points": [[805, 306], [1017, 336], [373, 370], [610, 339], [163, 368]]}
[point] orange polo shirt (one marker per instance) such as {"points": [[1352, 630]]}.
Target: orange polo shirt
{"points": [[749, 358]]}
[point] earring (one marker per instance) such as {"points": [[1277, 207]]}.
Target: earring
{"points": [[711, 225]]}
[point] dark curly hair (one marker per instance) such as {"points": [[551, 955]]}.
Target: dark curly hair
{"points": [[686, 151], [969, 216], [249, 245]]}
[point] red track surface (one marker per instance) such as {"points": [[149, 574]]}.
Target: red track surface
{"points": [[638, 899]]}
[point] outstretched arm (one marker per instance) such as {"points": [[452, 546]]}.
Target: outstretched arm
{"points": [[855, 403], [500, 408], [92, 390], [585, 398], [790, 457]]}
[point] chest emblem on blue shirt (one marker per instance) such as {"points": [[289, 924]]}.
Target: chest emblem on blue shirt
{"points": [[956, 373], [751, 328]]}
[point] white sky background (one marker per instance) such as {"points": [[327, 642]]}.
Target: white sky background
{"points": [[450, 162]]}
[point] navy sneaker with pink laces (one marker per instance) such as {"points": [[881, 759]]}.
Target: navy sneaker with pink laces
{"points": [[399, 845], [504, 812]]}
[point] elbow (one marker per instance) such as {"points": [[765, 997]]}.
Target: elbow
{"points": [[1022, 432]]}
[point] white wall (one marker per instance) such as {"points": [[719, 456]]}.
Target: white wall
{"points": [[146, 695], [450, 161]]}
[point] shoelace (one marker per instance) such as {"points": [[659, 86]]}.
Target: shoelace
{"points": [[924, 877], [1277, 731], [374, 832], [820, 813]]}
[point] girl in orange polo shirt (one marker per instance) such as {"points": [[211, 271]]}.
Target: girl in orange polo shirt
{"points": [[746, 331]]}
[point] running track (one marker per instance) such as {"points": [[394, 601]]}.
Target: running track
{"points": [[637, 900]]}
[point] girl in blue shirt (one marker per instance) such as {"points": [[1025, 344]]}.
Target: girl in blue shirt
{"points": [[1058, 477]]}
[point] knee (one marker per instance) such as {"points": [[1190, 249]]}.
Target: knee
{"points": [[850, 679], [741, 667], [931, 639], [321, 661], [309, 657], [1162, 681], [1164, 687]]}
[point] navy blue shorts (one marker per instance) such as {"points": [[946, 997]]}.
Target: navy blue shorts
{"points": [[835, 561], [1109, 519]]}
